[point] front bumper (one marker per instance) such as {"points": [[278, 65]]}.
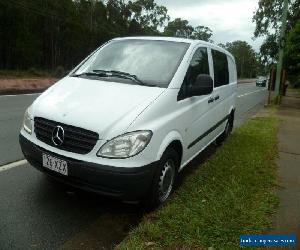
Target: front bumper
{"points": [[121, 182]]}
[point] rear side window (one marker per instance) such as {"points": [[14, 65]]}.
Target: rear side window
{"points": [[232, 70], [221, 73]]}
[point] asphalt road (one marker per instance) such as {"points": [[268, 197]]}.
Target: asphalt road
{"points": [[12, 109], [35, 214]]}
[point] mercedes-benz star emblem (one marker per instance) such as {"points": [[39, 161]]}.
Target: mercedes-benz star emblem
{"points": [[58, 136]]}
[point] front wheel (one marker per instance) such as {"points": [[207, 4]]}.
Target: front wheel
{"points": [[164, 179]]}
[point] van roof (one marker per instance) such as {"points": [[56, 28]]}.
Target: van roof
{"points": [[164, 38], [177, 39]]}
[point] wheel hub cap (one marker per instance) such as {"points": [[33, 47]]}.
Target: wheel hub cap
{"points": [[166, 180]]}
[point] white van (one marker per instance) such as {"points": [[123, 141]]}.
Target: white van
{"points": [[132, 115]]}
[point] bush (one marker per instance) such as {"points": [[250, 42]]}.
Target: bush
{"points": [[294, 80], [59, 71], [292, 56], [35, 72]]}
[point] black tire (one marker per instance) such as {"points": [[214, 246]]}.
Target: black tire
{"points": [[164, 179], [227, 130]]}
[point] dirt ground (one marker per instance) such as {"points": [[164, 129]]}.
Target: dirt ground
{"points": [[25, 85]]}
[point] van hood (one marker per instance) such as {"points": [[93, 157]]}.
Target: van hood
{"points": [[107, 108]]}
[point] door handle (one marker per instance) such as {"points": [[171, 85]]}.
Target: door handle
{"points": [[210, 100], [217, 97]]}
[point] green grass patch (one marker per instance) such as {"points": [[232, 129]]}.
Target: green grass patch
{"points": [[232, 193]]}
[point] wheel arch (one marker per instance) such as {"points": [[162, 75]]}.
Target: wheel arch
{"points": [[174, 140], [231, 112], [231, 116]]}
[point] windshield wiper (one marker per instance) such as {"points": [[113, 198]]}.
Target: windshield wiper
{"points": [[113, 73], [121, 74], [89, 74]]}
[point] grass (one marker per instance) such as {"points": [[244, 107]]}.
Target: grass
{"points": [[232, 193]]}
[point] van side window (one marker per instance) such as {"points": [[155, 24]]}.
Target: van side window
{"points": [[198, 65], [221, 72]]}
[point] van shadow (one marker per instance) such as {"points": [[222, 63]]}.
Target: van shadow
{"points": [[83, 220], [91, 221]]}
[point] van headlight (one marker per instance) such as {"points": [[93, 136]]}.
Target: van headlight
{"points": [[27, 123], [126, 145]]}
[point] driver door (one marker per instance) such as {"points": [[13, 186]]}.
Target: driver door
{"points": [[200, 117]]}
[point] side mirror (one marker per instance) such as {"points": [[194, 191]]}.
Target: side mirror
{"points": [[202, 86]]}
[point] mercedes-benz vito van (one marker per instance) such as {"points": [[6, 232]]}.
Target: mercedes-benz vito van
{"points": [[132, 115]]}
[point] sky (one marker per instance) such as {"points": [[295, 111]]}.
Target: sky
{"points": [[229, 20]]}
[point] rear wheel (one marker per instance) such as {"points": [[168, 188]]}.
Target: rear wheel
{"points": [[164, 179]]}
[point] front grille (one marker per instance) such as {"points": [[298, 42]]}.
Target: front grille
{"points": [[76, 140]]}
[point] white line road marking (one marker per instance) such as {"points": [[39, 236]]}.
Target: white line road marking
{"points": [[251, 92], [12, 165], [20, 95]]}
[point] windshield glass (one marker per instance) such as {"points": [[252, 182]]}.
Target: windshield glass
{"points": [[153, 62]]}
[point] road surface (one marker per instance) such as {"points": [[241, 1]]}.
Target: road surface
{"points": [[35, 214]]}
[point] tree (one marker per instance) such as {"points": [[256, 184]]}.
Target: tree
{"points": [[269, 50], [268, 22], [179, 27], [246, 59], [48, 33], [292, 55], [148, 14], [268, 16], [202, 33]]}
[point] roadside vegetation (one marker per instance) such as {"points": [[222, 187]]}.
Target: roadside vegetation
{"points": [[10, 74], [292, 55], [294, 89], [48, 35], [267, 25], [32, 73], [232, 193]]}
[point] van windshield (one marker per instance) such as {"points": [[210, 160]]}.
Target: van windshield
{"points": [[148, 62]]}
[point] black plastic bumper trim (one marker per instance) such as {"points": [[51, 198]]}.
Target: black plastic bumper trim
{"points": [[124, 183]]}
